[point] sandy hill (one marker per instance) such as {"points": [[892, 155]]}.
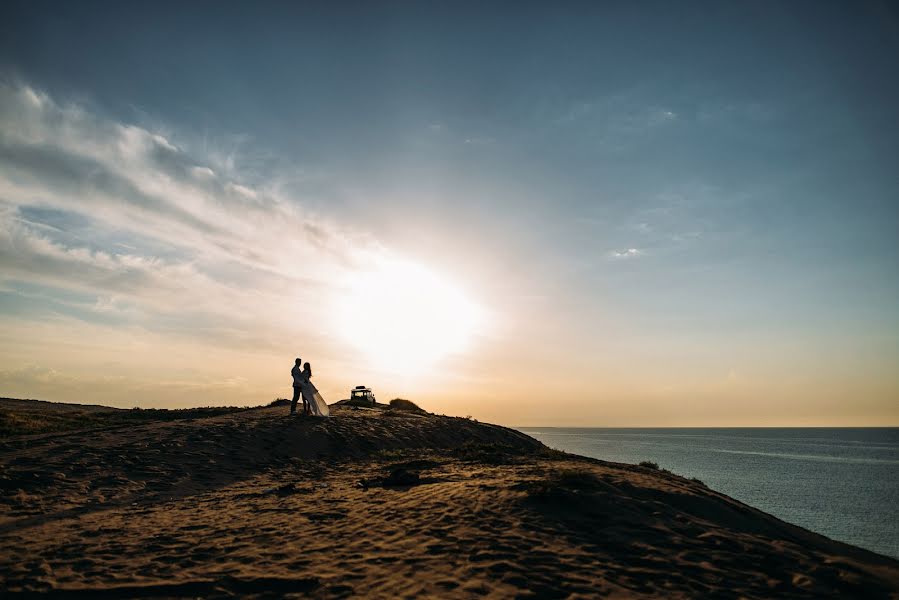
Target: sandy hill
{"points": [[383, 503]]}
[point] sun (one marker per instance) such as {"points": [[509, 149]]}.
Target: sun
{"points": [[404, 317]]}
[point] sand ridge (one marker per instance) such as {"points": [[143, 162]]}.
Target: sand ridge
{"points": [[259, 504]]}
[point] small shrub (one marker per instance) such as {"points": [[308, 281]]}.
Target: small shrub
{"points": [[401, 477], [279, 402], [649, 464], [403, 404], [699, 481]]}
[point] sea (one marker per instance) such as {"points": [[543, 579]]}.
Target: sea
{"points": [[839, 482]]}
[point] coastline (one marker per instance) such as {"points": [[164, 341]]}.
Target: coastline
{"points": [[839, 482]]}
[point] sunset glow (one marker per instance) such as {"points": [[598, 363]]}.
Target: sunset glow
{"points": [[404, 317]]}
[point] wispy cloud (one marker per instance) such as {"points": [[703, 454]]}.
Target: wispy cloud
{"points": [[626, 253], [621, 114], [135, 225], [479, 140], [677, 215]]}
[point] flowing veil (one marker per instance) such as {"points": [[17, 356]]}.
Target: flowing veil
{"points": [[317, 404]]}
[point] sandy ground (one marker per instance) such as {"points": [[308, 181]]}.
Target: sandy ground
{"points": [[382, 504]]}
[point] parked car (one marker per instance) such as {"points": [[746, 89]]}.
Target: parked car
{"points": [[361, 394]]}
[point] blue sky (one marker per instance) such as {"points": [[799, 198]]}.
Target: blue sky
{"points": [[661, 206]]}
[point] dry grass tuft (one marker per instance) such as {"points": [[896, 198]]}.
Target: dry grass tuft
{"points": [[403, 404]]}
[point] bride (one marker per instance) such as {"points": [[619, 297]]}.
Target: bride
{"points": [[317, 405]]}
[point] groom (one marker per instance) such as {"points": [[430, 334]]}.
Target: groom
{"points": [[298, 381]]}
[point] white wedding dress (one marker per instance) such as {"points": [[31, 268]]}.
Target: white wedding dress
{"points": [[317, 405]]}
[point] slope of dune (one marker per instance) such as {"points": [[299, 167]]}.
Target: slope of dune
{"points": [[382, 503]]}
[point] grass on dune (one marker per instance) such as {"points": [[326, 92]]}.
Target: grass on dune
{"points": [[28, 422]]}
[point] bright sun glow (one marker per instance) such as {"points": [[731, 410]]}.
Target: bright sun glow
{"points": [[404, 317]]}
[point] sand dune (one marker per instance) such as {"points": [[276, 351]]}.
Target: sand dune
{"points": [[383, 503]]}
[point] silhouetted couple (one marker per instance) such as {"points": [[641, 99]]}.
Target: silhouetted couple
{"points": [[313, 403]]}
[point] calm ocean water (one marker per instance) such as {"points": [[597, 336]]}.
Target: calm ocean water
{"points": [[843, 483]]}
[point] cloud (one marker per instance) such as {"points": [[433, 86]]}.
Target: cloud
{"points": [[678, 216], [746, 114], [479, 140], [626, 253], [153, 234], [203, 172], [621, 115], [242, 190]]}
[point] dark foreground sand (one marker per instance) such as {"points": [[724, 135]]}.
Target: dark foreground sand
{"points": [[259, 504]]}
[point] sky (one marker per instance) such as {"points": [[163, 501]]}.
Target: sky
{"points": [[558, 214]]}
